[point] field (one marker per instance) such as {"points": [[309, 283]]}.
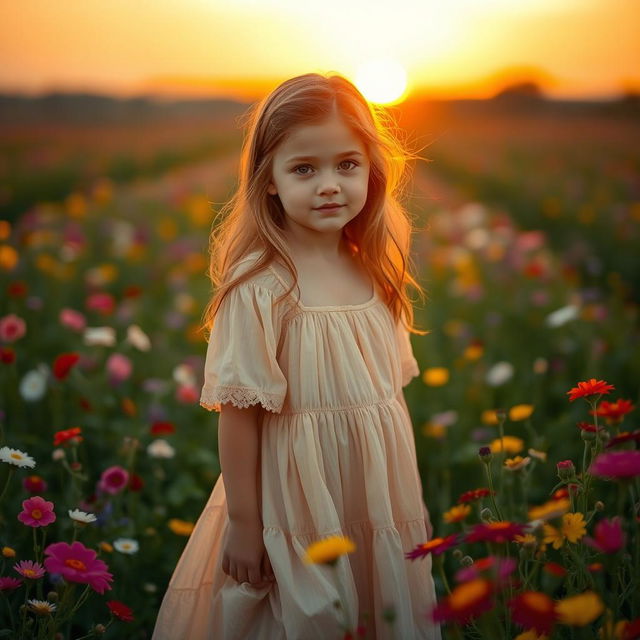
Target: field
{"points": [[526, 243]]}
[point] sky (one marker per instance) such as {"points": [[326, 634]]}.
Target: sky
{"points": [[243, 48]]}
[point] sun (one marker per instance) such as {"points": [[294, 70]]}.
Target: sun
{"points": [[383, 81]]}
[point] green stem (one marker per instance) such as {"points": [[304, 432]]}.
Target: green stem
{"points": [[10, 473], [492, 492]]}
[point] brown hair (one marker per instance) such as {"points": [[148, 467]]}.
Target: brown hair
{"points": [[380, 235]]}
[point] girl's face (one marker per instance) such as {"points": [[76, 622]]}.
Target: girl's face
{"points": [[316, 165]]}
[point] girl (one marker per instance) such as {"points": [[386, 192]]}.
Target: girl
{"points": [[315, 438]]}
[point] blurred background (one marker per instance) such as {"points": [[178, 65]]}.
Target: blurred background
{"points": [[120, 129]]}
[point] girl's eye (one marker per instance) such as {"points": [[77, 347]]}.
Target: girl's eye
{"points": [[355, 164], [304, 166]]}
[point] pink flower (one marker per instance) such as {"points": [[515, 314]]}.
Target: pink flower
{"points": [[72, 319], [8, 584], [186, 394], [77, 563], [113, 480], [29, 569], [35, 484], [103, 303], [609, 536], [37, 512], [616, 464], [119, 368], [494, 566], [12, 328]]}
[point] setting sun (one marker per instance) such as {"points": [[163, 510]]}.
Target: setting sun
{"points": [[382, 81]]}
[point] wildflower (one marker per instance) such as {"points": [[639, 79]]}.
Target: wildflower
{"points": [[126, 545], [77, 563], [511, 444], [328, 550], [590, 388], [435, 376], [616, 464], [580, 610], [105, 546], [613, 412], [517, 463], [484, 454], [468, 600], [499, 373], [99, 336], [41, 607], [561, 316], [555, 569], [622, 437], [135, 482], [81, 516], [17, 458], [433, 430], [565, 469], [573, 528], [180, 527], [113, 480], [436, 546], [72, 319], [609, 536], [138, 338], [29, 569], [37, 512], [120, 610], [12, 328], [457, 513], [8, 552], [9, 584], [103, 303], [474, 494], [489, 416], [160, 448], [492, 568], [119, 368], [539, 455], [67, 435], [520, 412], [34, 484], [550, 509], [533, 610], [502, 531], [161, 428], [63, 364], [33, 384]]}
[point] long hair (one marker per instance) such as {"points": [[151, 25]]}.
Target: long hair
{"points": [[379, 236]]}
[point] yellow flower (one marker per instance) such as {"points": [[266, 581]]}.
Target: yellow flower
{"points": [[511, 444], [180, 527], [199, 210], [489, 417], [435, 376], [8, 552], [76, 205], [579, 610], [540, 455], [553, 536], [531, 635], [527, 540], [8, 257], [514, 464], [328, 550], [550, 509], [167, 229], [520, 412], [473, 351], [5, 229], [433, 430], [573, 526], [457, 513], [105, 546]]}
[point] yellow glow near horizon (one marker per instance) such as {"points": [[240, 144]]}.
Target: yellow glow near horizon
{"points": [[383, 81]]}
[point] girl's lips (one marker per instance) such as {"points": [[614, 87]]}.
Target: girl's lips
{"points": [[329, 208]]}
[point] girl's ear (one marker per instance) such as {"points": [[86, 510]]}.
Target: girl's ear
{"points": [[271, 189]]}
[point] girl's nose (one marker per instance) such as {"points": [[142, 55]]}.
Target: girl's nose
{"points": [[329, 187]]}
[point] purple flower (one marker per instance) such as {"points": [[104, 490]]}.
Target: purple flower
{"points": [[616, 464], [609, 536]]}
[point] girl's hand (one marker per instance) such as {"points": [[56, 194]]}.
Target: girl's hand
{"points": [[244, 557]]}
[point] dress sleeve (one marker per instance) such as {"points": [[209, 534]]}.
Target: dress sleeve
{"points": [[409, 364], [240, 365]]}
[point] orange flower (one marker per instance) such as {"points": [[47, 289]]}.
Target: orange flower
{"points": [[468, 600], [613, 411], [67, 435], [435, 547], [457, 513], [590, 388]]}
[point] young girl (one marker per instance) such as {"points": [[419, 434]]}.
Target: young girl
{"points": [[315, 438]]}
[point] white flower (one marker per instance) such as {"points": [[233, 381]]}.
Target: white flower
{"points": [[126, 545], [562, 316], [17, 458], [41, 607], [99, 336], [499, 373], [149, 587], [58, 454], [33, 385], [82, 516], [446, 418], [160, 448], [138, 338], [184, 375]]}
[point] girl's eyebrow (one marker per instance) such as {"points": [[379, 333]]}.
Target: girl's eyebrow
{"points": [[340, 155]]}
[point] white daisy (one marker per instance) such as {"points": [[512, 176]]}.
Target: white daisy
{"points": [[160, 448], [184, 374], [126, 545], [562, 316], [17, 458], [33, 385], [138, 338], [99, 336], [41, 607], [499, 373], [81, 516]]}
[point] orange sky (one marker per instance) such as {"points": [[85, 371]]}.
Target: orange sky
{"points": [[242, 48]]}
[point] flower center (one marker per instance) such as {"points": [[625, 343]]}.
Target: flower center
{"points": [[36, 514], [16, 456], [76, 564], [468, 593], [29, 573]]}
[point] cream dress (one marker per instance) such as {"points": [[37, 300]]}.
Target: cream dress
{"points": [[337, 458]]}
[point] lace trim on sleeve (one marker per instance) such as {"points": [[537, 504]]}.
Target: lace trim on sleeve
{"points": [[241, 397]]}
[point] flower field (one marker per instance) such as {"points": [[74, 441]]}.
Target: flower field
{"points": [[525, 411]]}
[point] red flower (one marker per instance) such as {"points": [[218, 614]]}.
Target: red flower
{"points": [[17, 289], [63, 364], [555, 569], [67, 435], [474, 494], [34, 484], [132, 291], [613, 411], [435, 546], [135, 482], [120, 610], [468, 600], [495, 532], [7, 355], [491, 567], [631, 630], [103, 303], [587, 426], [625, 436], [534, 610], [590, 388], [158, 428]]}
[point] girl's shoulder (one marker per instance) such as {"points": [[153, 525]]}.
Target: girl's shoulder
{"points": [[269, 277]]}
